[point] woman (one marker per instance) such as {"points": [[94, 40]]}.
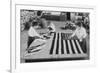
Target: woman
{"points": [[32, 37], [81, 34]]}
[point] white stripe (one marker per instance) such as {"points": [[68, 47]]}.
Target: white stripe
{"points": [[59, 43], [55, 43], [79, 46], [69, 46], [74, 46], [65, 52]]}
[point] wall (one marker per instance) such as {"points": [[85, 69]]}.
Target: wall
{"points": [[5, 36]]}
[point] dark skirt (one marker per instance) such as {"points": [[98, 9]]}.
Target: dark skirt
{"points": [[83, 45], [30, 40]]}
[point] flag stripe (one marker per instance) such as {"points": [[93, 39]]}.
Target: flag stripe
{"points": [[52, 46], [77, 47], [62, 45], [57, 46], [72, 47], [67, 47]]}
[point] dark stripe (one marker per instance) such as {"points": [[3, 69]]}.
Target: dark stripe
{"points": [[62, 46], [57, 46], [72, 47], [62, 34], [67, 47], [83, 46], [77, 46], [52, 46]]}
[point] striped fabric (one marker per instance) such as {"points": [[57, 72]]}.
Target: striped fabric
{"points": [[65, 46]]}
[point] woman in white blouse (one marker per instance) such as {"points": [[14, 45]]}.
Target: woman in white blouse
{"points": [[34, 36], [81, 34]]}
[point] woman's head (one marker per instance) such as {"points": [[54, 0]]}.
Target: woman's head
{"points": [[79, 24], [39, 14], [34, 23]]}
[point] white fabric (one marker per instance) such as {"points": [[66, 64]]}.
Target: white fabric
{"points": [[80, 33], [53, 27], [37, 42], [32, 32]]}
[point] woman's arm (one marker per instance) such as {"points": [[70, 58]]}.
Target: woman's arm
{"points": [[73, 34]]}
